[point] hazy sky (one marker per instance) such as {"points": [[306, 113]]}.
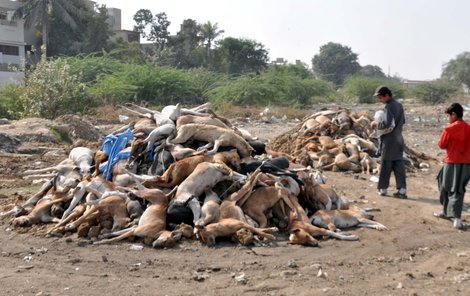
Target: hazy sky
{"points": [[411, 38]]}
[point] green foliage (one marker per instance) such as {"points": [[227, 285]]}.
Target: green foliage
{"points": [[270, 88], [89, 67], [361, 89], [41, 13], [458, 69], [10, 106], [51, 90], [157, 85], [372, 71], [335, 62], [203, 81], [238, 56], [437, 91]]}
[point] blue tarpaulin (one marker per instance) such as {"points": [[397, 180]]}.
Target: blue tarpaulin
{"points": [[112, 147]]}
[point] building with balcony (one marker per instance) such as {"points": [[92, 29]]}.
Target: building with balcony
{"points": [[12, 43]]}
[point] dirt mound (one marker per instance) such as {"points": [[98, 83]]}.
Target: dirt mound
{"points": [[77, 127]]}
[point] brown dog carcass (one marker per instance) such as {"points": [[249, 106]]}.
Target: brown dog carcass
{"points": [[204, 176], [152, 223], [213, 135]]}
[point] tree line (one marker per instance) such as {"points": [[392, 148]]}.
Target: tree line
{"points": [[84, 68]]}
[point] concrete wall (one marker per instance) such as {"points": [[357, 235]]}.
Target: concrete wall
{"points": [[11, 77]]}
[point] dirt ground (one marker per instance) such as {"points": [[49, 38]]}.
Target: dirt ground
{"points": [[418, 254]]}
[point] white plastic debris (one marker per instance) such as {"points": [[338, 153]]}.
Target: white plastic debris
{"points": [[374, 179], [123, 118], [136, 247]]}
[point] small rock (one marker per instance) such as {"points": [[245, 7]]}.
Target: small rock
{"points": [[292, 264], [83, 243], [322, 274], [462, 254], [241, 278], [199, 277], [104, 258], [27, 258], [287, 273], [400, 286], [41, 250]]}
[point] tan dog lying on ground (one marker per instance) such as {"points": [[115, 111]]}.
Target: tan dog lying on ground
{"points": [[320, 196], [354, 217], [368, 164], [180, 170], [213, 135], [209, 120], [204, 176], [112, 205], [41, 213], [302, 232], [59, 228], [262, 199], [343, 163], [227, 228], [152, 223], [28, 205]]}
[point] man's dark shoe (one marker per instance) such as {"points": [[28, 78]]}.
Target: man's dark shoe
{"points": [[400, 195]]}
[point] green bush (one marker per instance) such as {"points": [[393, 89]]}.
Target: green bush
{"points": [[89, 67], [437, 91], [156, 85], [271, 87], [360, 89], [51, 90], [10, 106]]}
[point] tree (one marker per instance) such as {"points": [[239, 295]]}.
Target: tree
{"points": [[152, 28], [186, 45], [209, 33], [236, 56], [40, 13], [458, 69], [91, 35], [335, 62], [372, 71], [143, 18]]}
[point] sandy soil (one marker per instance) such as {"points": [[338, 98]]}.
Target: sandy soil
{"points": [[418, 254]]}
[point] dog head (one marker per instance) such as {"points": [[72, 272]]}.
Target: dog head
{"points": [[299, 236], [244, 237], [204, 236], [167, 239], [22, 221]]}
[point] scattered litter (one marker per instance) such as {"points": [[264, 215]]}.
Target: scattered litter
{"points": [[374, 179], [136, 247]]}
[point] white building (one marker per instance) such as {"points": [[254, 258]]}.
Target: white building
{"points": [[12, 43]]}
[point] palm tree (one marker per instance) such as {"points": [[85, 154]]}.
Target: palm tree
{"points": [[209, 33], [41, 12]]}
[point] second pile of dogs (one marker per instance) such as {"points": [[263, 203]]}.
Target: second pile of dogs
{"points": [[190, 173]]}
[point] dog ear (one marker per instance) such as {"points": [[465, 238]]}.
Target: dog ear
{"points": [[295, 230]]}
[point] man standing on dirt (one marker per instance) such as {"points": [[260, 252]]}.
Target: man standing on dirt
{"points": [[392, 144], [455, 173]]}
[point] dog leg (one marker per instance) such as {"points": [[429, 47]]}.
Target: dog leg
{"points": [[129, 232], [79, 192], [215, 149], [195, 207], [366, 223]]}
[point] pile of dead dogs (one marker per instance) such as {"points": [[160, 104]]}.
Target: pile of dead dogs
{"points": [[340, 140], [190, 173]]}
